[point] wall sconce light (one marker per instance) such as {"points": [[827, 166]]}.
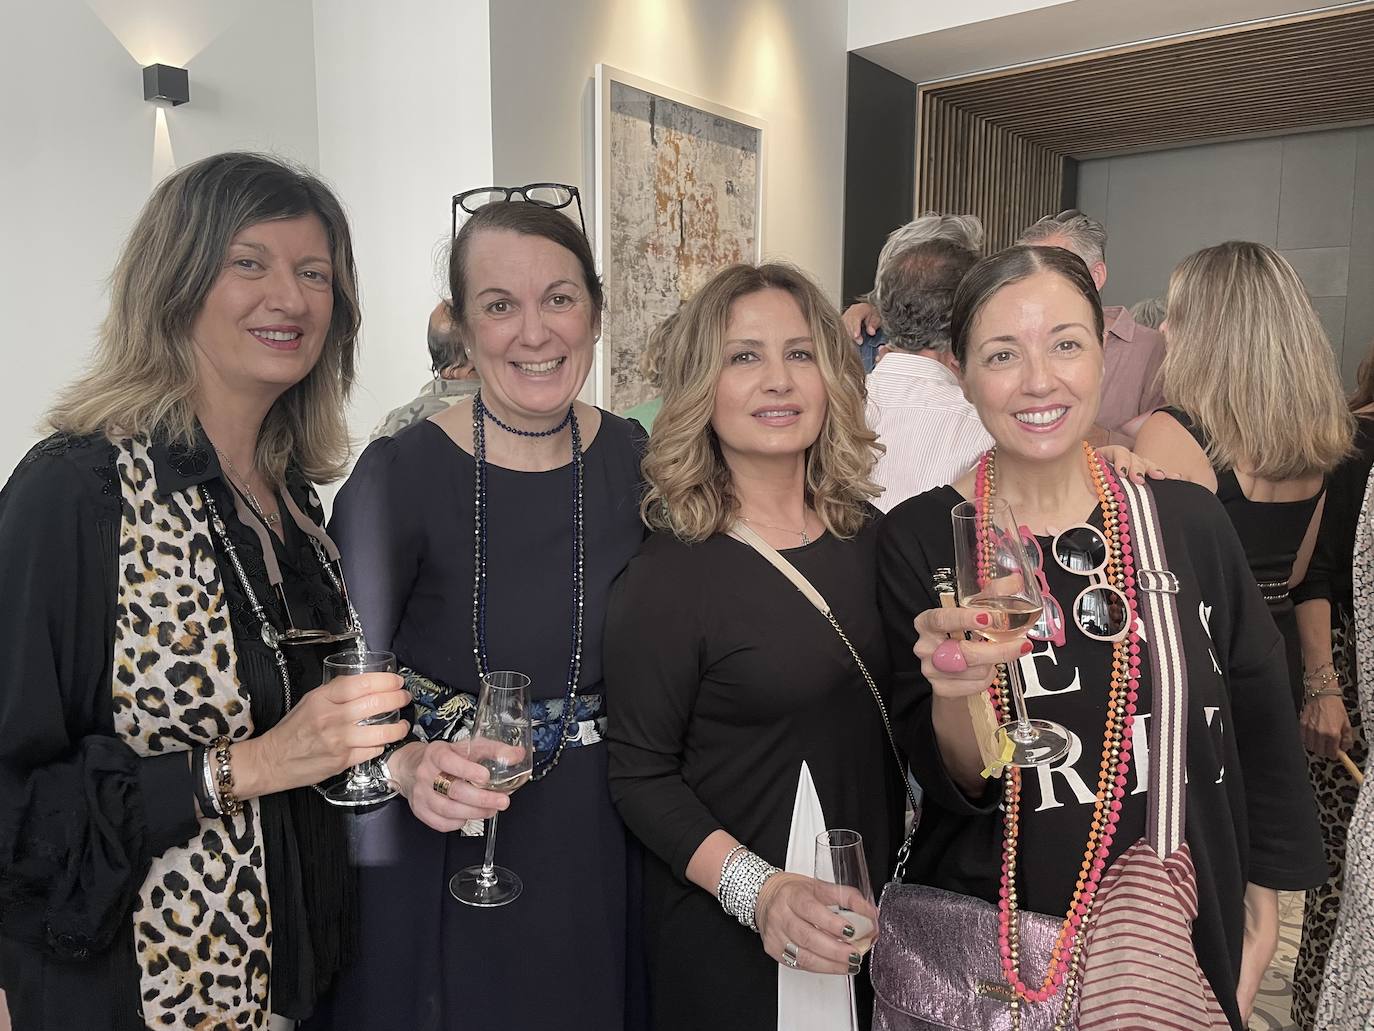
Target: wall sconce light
{"points": [[162, 82]]}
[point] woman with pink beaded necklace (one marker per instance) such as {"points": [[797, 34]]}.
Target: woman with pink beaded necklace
{"points": [[1027, 330]]}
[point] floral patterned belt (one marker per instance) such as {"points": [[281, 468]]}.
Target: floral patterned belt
{"points": [[444, 713]]}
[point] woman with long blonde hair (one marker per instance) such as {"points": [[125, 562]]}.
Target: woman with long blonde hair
{"points": [[741, 725], [164, 858], [1256, 411]]}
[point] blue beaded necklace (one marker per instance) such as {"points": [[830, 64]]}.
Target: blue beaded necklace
{"points": [[480, 413]]}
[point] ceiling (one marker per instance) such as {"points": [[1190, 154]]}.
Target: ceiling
{"points": [[1049, 31], [1296, 74]]}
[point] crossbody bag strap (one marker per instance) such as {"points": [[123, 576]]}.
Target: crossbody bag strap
{"points": [[1157, 603], [747, 535]]}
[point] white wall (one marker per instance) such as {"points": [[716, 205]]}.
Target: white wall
{"points": [[877, 21], [404, 123], [80, 150], [783, 60]]}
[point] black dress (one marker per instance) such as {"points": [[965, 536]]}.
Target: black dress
{"points": [[558, 955], [81, 814], [724, 680], [1250, 816], [1271, 533]]}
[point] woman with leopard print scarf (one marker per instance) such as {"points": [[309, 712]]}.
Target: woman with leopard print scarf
{"points": [[164, 860]]}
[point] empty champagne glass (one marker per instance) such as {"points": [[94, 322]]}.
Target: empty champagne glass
{"points": [[365, 784], [996, 576], [500, 742], [843, 885]]}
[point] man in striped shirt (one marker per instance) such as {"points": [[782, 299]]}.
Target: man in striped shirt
{"points": [[915, 403]]}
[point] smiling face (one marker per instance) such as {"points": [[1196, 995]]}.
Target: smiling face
{"points": [[770, 396], [264, 322], [529, 324], [1033, 367]]}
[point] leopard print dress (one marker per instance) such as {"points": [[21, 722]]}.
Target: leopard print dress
{"points": [[1347, 996], [202, 935]]}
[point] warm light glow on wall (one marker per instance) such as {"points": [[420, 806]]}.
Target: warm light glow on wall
{"points": [[165, 31], [164, 161]]}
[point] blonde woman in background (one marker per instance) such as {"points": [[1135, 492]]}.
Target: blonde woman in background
{"points": [[740, 725], [1256, 414]]}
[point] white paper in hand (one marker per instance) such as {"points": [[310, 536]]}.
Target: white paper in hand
{"points": [[807, 1001]]}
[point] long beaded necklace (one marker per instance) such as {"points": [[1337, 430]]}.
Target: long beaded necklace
{"points": [[480, 413], [1116, 755]]}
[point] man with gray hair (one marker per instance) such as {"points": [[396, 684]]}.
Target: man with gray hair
{"points": [[1131, 353], [915, 404], [454, 377], [862, 319]]}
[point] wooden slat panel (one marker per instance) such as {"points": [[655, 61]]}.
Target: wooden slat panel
{"points": [[994, 144]]}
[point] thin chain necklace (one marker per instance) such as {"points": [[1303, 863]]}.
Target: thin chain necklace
{"points": [[480, 414], [241, 481], [805, 539]]}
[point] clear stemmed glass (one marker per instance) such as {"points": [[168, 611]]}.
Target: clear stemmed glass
{"points": [[500, 742], [996, 576], [365, 784], [843, 885]]}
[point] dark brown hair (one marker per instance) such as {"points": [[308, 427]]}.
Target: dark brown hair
{"points": [[1011, 266], [527, 219], [1363, 396]]}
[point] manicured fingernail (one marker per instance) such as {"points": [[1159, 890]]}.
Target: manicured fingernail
{"points": [[855, 959], [1026, 647], [848, 931], [983, 619]]}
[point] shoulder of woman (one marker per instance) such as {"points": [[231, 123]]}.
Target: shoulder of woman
{"points": [[925, 513], [1192, 508], [63, 469]]}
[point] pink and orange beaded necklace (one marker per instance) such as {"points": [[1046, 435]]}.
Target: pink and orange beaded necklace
{"points": [[1062, 972]]}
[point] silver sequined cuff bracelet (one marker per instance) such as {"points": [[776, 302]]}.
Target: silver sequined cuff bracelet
{"points": [[744, 877]]}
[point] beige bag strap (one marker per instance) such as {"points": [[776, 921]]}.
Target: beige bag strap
{"points": [[746, 535]]}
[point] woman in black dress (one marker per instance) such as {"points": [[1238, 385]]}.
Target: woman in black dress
{"points": [[1257, 415], [545, 490], [740, 725], [1027, 328], [1330, 719], [164, 858]]}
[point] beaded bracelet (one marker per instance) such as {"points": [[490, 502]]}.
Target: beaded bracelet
{"points": [[724, 866], [1322, 674], [229, 803]]}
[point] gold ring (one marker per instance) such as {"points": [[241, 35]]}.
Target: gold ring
{"points": [[442, 783]]}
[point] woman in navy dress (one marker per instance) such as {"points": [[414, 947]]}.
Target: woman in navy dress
{"points": [[540, 493]]}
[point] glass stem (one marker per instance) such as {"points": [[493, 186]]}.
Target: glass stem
{"points": [[488, 876], [1023, 733]]}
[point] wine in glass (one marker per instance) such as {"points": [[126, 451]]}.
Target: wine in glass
{"points": [[365, 784], [842, 883], [501, 743], [996, 576]]}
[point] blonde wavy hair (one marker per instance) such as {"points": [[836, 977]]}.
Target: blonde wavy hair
{"points": [[689, 482], [1249, 362], [142, 378]]}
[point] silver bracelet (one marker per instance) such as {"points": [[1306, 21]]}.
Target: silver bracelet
{"points": [[724, 866], [740, 887], [208, 784]]}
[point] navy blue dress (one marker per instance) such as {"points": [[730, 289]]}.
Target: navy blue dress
{"points": [[557, 956]]}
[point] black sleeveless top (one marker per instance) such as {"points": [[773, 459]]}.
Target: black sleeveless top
{"points": [[1271, 533]]}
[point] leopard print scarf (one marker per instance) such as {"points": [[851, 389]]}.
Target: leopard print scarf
{"points": [[202, 934]]}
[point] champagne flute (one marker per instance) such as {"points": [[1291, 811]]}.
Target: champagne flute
{"points": [[996, 576], [365, 784], [843, 885], [501, 742]]}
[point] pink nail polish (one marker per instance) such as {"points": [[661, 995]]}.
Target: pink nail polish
{"points": [[1026, 647], [983, 619]]}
